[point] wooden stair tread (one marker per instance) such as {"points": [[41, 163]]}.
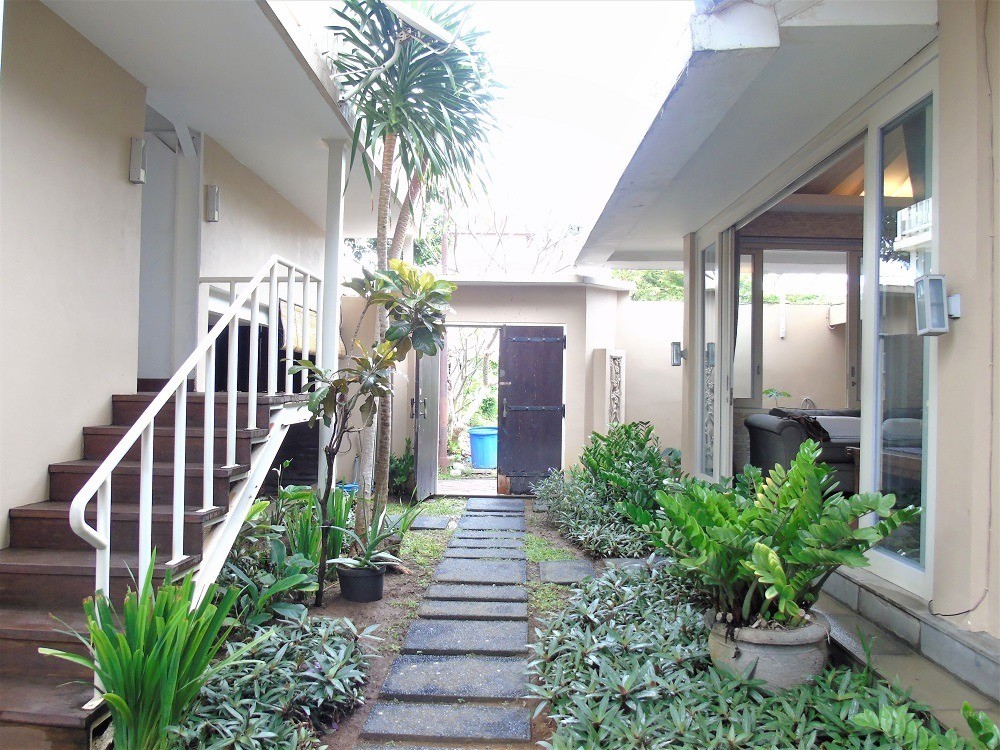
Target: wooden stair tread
{"points": [[198, 396], [160, 468], [254, 433], [77, 562], [47, 702], [123, 511], [40, 624]]}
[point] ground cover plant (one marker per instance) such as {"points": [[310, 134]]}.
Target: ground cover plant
{"points": [[626, 665], [296, 680], [588, 521]]}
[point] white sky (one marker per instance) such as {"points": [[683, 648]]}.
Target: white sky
{"points": [[583, 80]]}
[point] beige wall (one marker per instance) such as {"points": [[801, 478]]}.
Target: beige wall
{"points": [[810, 361], [255, 222], [967, 521], [652, 386], [69, 233]]}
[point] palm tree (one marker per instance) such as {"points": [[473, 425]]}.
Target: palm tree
{"points": [[422, 100]]}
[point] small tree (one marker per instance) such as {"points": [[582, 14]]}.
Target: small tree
{"points": [[415, 303]]}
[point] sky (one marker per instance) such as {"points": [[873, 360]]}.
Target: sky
{"points": [[583, 80]]}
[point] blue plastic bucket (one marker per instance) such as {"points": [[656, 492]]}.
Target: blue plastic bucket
{"points": [[483, 442], [350, 489]]}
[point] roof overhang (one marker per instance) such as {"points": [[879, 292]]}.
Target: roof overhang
{"points": [[762, 80], [241, 72]]}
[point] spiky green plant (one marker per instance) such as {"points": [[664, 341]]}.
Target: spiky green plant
{"points": [[153, 659]]}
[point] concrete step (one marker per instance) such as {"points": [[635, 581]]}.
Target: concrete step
{"points": [[423, 722], [480, 571], [484, 553], [455, 678], [491, 522], [479, 534], [446, 609], [480, 592], [487, 543], [565, 571], [494, 505], [462, 637]]}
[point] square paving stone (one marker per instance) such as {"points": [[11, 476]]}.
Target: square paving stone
{"points": [[415, 677], [425, 523], [480, 571], [445, 609], [491, 543], [488, 523], [565, 571], [494, 504], [484, 553], [481, 593], [397, 720], [461, 637]]}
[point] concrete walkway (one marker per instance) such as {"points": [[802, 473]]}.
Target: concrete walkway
{"points": [[460, 677]]}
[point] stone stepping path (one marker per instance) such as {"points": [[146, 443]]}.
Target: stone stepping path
{"points": [[425, 523], [495, 553], [473, 610], [476, 571], [494, 505], [565, 571], [460, 679]]}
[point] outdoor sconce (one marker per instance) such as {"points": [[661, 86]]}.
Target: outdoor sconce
{"points": [[930, 302], [137, 162], [677, 354], [211, 203]]}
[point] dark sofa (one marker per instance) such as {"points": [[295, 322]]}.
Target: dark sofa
{"points": [[775, 439]]}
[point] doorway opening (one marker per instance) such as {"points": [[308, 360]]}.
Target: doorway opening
{"points": [[468, 430]]}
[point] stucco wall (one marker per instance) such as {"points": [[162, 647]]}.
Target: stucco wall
{"points": [[69, 233], [652, 386], [255, 222], [967, 521]]}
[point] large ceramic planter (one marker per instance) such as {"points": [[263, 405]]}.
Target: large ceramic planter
{"points": [[781, 658], [361, 584]]}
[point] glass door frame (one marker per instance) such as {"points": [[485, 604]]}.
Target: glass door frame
{"points": [[922, 86]]}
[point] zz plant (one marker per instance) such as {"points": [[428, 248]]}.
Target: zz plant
{"points": [[763, 547], [627, 464]]}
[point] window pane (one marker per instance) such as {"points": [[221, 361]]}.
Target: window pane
{"points": [[904, 254], [743, 355], [710, 330]]}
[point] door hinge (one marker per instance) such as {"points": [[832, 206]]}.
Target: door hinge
{"points": [[506, 408], [539, 340]]}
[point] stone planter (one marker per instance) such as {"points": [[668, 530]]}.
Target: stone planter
{"points": [[781, 658]]}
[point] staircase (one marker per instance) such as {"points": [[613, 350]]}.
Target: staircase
{"points": [[49, 567]]}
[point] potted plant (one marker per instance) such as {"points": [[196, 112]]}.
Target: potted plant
{"points": [[416, 303], [761, 550], [361, 575]]}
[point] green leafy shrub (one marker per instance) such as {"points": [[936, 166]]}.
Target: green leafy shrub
{"points": [[296, 681], [401, 472], [154, 658], [625, 665], [627, 464], [982, 726], [587, 521], [764, 547]]}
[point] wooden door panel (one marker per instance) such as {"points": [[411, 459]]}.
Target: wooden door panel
{"points": [[530, 404]]}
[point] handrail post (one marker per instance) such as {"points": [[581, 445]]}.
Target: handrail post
{"points": [[103, 582], [253, 364], [208, 460], [180, 464], [289, 330], [306, 328], [146, 502], [232, 361], [273, 318]]}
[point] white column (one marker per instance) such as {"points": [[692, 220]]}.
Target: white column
{"points": [[336, 180], [407, 252]]}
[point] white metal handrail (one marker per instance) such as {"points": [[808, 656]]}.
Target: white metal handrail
{"points": [[275, 271]]}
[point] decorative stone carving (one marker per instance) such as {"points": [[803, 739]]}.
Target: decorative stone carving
{"points": [[616, 404]]}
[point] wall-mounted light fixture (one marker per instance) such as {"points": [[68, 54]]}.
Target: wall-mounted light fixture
{"points": [[211, 202], [930, 303], [677, 353], [137, 162]]}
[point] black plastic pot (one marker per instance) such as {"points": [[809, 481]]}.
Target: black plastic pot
{"points": [[361, 584]]}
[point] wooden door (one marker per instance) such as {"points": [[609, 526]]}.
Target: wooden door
{"points": [[426, 415], [531, 408]]}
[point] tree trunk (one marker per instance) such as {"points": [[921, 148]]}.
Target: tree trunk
{"points": [[383, 420]]}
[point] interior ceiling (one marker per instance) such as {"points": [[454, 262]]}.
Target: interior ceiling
{"points": [[786, 105], [220, 67]]}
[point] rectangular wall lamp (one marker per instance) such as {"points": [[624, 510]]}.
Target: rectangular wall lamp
{"points": [[211, 203]]}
